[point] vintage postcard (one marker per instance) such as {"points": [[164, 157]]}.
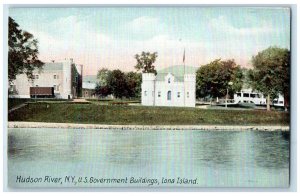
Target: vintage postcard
{"points": [[149, 96]]}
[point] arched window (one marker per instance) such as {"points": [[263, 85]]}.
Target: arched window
{"points": [[169, 80], [169, 95]]}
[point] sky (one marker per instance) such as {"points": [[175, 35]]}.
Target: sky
{"points": [[109, 37]]}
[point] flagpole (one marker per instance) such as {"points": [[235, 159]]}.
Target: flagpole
{"points": [[184, 60], [184, 93], [183, 75]]}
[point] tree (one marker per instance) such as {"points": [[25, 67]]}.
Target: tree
{"points": [[22, 53], [145, 62], [271, 73], [212, 80], [102, 76], [134, 81], [116, 81], [102, 91]]}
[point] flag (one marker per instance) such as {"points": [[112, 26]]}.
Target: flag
{"points": [[183, 56]]}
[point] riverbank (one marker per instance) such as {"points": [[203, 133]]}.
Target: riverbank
{"points": [[146, 127]]}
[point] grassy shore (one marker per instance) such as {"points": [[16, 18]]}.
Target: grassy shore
{"points": [[141, 115]]}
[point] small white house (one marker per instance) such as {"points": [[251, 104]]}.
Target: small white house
{"points": [[279, 101], [65, 78], [249, 96], [173, 86]]}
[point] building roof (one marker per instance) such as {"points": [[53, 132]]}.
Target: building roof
{"points": [[87, 85], [90, 79], [177, 71], [89, 82]]}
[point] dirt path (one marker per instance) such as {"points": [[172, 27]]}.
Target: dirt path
{"points": [[17, 107]]}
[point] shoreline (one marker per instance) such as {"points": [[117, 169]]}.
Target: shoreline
{"points": [[18, 124]]}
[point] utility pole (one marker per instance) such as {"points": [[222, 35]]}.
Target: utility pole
{"points": [[184, 91], [229, 84]]}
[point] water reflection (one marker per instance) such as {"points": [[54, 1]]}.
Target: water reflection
{"points": [[271, 150], [43, 145], [249, 148], [232, 154], [18, 144], [217, 150], [125, 149]]}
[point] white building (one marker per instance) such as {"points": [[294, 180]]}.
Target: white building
{"points": [[279, 101], [250, 96], [65, 78], [173, 86]]}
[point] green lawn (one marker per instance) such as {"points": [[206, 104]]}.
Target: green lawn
{"points": [[141, 115]]}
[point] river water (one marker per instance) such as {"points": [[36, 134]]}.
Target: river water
{"points": [[103, 158]]}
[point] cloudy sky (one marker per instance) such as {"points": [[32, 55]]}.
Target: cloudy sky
{"points": [[110, 37]]}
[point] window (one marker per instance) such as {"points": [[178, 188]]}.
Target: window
{"points": [[239, 94], [169, 95], [169, 80], [159, 93], [76, 79], [36, 77], [36, 85], [54, 76], [252, 95], [188, 94], [145, 93], [56, 87], [246, 95], [178, 94]]}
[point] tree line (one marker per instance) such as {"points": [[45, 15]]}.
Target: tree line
{"points": [[269, 75], [118, 83]]}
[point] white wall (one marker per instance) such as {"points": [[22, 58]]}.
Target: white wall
{"points": [[174, 87], [162, 88], [190, 90], [23, 84], [67, 80], [46, 79], [148, 89], [258, 100]]}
